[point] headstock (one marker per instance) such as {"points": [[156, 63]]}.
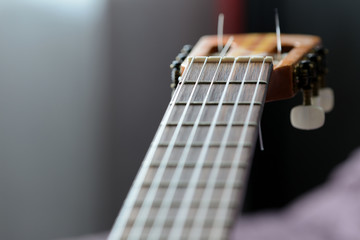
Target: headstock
{"points": [[302, 67]]}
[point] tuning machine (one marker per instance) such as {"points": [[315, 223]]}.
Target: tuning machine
{"points": [[306, 116], [175, 66], [325, 94], [310, 78]]}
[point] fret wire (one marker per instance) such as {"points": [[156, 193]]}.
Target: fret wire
{"points": [[216, 103], [171, 124], [231, 178], [184, 184], [156, 231], [193, 203], [224, 82], [168, 225], [121, 220], [140, 222], [206, 196], [192, 164], [199, 144], [176, 232]]}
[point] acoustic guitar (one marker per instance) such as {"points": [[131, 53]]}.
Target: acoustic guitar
{"points": [[192, 181]]}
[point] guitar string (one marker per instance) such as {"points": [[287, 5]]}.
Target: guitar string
{"points": [[127, 208], [170, 192], [180, 218], [227, 46], [145, 208], [216, 233], [210, 185], [260, 137]]}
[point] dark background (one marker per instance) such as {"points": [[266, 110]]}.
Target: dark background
{"points": [[84, 84], [296, 161]]}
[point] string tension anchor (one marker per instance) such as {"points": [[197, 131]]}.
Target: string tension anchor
{"points": [[318, 99], [175, 66], [306, 116], [325, 94]]}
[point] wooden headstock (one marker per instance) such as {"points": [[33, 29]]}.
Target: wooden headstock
{"points": [[282, 83]]}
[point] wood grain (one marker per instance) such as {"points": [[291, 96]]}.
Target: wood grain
{"points": [[281, 83]]}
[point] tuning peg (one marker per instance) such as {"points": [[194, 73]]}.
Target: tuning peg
{"points": [[322, 95], [325, 94], [175, 66], [307, 116], [326, 99]]}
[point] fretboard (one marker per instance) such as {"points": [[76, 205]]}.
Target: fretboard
{"points": [[192, 180]]}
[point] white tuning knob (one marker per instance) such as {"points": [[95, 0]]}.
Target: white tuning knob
{"points": [[315, 100], [327, 99], [307, 117]]}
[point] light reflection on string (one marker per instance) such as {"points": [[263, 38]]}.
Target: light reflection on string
{"points": [[216, 233], [207, 195], [170, 193], [181, 216], [145, 208]]}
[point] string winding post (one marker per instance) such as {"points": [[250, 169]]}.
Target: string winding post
{"points": [[220, 31], [278, 38], [227, 46]]}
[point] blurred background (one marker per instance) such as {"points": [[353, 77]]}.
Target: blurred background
{"points": [[84, 84]]}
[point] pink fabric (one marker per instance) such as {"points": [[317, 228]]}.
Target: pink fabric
{"points": [[331, 212]]}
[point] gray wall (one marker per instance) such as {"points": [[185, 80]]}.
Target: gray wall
{"points": [[83, 86], [55, 119]]}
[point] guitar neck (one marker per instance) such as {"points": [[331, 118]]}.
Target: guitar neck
{"points": [[191, 183]]}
